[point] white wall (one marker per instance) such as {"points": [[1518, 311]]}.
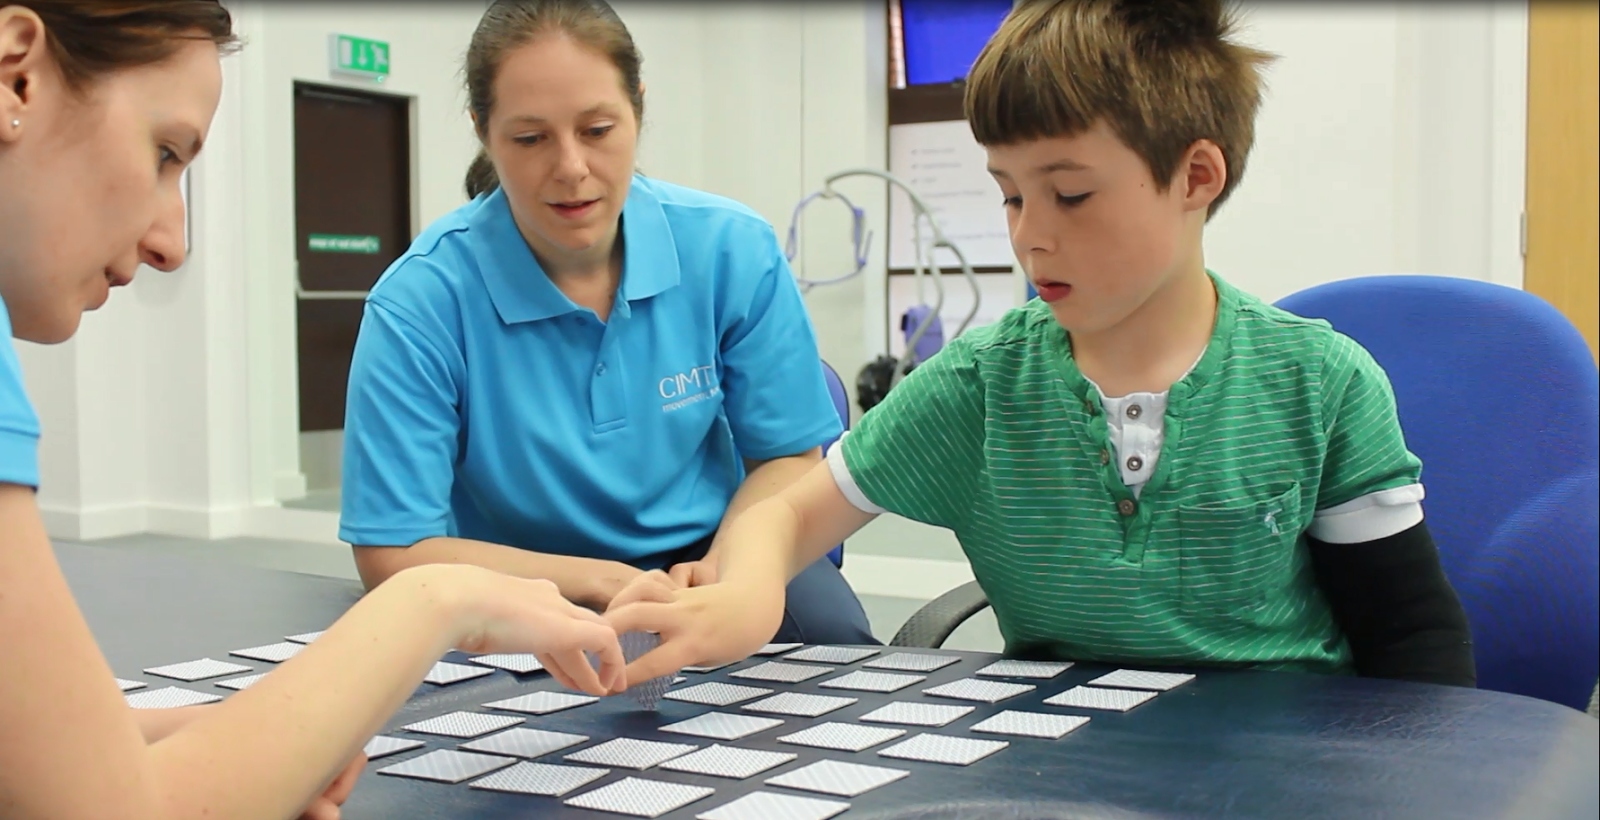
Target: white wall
{"points": [[1391, 140], [760, 102]]}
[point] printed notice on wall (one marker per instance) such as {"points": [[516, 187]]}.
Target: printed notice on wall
{"points": [[947, 168]]}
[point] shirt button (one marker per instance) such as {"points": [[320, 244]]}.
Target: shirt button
{"points": [[1135, 411], [600, 371], [1135, 463], [1127, 507], [1105, 457]]}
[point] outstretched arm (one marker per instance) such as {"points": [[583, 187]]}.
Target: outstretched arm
{"points": [[74, 750]]}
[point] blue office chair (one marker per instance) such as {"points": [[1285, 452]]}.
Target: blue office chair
{"points": [[841, 402], [1499, 396]]}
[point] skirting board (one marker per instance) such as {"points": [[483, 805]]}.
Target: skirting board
{"points": [[133, 519]]}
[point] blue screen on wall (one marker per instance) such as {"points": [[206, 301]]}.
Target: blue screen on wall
{"points": [[943, 37]]}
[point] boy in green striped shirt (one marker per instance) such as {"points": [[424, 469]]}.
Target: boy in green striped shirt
{"points": [[1144, 465]]}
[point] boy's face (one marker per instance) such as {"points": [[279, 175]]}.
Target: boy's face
{"points": [[1091, 229]]}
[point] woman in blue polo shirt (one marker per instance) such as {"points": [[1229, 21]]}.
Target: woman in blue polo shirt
{"points": [[578, 374]]}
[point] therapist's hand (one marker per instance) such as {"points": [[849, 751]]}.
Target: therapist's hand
{"points": [[654, 586], [718, 623], [694, 573], [606, 580]]}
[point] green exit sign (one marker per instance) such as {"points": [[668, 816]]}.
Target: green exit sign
{"points": [[359, 57]]}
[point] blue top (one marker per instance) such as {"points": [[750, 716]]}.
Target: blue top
{"points": [[19, 425], [485, 404]]}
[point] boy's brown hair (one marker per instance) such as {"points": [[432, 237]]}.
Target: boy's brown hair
{"points": [[1162, 74]]}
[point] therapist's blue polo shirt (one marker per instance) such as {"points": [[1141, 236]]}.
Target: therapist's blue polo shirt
{"points": [[19, 424], [485, 404]]}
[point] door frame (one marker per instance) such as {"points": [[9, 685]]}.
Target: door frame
{"points": [[267, 120], [1508, 141]]}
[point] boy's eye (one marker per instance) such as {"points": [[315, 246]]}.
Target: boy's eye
{"points": [[166, 157], [1071, 201]]}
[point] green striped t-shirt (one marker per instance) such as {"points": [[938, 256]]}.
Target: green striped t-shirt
{"points": [[1001, 439]]}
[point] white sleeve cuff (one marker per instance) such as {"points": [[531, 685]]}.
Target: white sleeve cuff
{"points": [[847, 483], [1370, 517]]}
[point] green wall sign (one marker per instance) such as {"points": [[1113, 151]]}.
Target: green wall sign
{"points": [[360, 56], [336, 243]]}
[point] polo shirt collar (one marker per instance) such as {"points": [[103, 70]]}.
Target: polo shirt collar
{"points": [[650, 254], [518, 285], [1210, 361]]}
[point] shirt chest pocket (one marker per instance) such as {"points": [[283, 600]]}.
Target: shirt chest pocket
{"points": [[1232, 556]]}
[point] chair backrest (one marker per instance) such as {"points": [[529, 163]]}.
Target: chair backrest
{"points": [[841, 402], [1499, 396]]}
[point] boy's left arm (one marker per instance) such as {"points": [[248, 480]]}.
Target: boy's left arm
{"points": [[1372, 554], [1396, 608]]}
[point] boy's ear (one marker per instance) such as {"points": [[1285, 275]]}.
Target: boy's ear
{"points": [[1202, 175]]}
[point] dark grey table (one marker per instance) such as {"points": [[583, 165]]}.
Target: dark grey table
{"points": [[1226, 745]]}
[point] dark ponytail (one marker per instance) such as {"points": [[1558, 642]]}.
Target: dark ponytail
{"points": [[481, 177]]}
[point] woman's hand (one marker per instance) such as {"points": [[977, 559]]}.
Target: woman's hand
{"points": [[530, 615], [327, 805]]}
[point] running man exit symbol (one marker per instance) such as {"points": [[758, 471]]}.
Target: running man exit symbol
{"points": [[360, 56]]}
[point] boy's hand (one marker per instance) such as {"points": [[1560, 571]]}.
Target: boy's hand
{"points": [[718, 623]]}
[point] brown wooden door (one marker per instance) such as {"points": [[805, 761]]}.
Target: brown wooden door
{"points": [[1563, 263], [352, 182]]}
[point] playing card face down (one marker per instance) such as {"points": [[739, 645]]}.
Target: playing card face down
{"points": [[771, 806], [444, 673], [635, 645], [917, 714], [463, 724], [955, 751], [631, 753], [1030, 724], [728, 761], [381, 746], [639, 797], [447, 766], [722, 726], [520, 663], [1094, 697], [717, 693], [1138, 679], [541, 779], [542, 703], [838, 778]]}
